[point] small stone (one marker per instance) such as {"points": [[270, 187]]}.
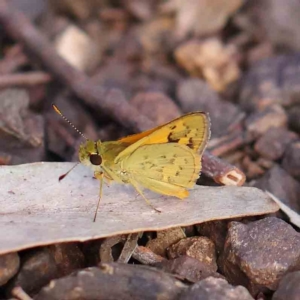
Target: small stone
{"points": [[258, 254], [289, 287], [77, 48], [260, 87], [260, 122], [291, 160], [194, 94], [216, 289], [200, 248], [278, 182], [276, 22], [294, 118], [41, 266], [165, 239], [9, 266], [114, 281], [216, 231], [188, 268], [273, 143]]}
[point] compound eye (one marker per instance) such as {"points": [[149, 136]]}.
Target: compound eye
{"points": [[95, 159]]}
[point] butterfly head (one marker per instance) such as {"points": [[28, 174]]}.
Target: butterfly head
{"points": [[89, 154]]}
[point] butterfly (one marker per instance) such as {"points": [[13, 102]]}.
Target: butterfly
{"points": [[165, 159]]}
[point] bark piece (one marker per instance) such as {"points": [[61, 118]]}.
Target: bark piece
{"points": [[289, 287], [146, 256], [114, 281], [105, 253], [215, 288], [200, 248], [9, 266], [274, 142], [128, 244], [68, 207], [194, 94], [164, 239], [282, 185], [188, 268], [291, 160], [210, 59], [258, 254]]}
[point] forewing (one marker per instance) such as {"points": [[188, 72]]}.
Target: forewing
{"points": [[164, 168], [192, 130]]}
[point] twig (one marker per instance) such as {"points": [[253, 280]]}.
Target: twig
{"points": [[111, 101], [20, 294], [221, 171], [14, 58], [24, 79], [226, 143], [129, 247], [146, 256]]}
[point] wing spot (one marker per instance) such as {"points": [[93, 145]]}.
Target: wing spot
{"points": [[172, 140], [186, 161], [172, 160], [146, 156], [180, 168], [190, 143], [163, 156], [173, 127], [177, 173]]}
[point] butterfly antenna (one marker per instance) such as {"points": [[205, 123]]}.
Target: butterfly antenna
{"points": [[56, 109], [61, 177]]}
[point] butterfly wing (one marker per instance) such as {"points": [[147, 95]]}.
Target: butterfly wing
{"points": [[192, 130], [167, 169]]}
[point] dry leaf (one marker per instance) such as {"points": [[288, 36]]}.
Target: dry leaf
{"points": [[210, 59], [36, 209]]}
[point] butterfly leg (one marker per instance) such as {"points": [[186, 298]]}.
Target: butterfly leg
{"points": [[99, 176], [141, 193], [108, 180]]}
